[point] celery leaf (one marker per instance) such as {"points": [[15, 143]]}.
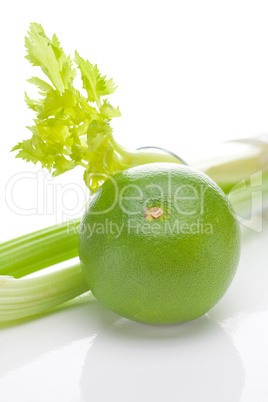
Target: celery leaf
{"points": [[69, 129]]}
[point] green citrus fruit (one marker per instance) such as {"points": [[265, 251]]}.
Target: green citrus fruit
{"points": [[159, 243]]}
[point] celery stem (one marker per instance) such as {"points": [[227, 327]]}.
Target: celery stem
{"points": [[20, 298], [38, 250]]}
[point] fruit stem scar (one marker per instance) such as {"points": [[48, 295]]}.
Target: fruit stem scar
{"points": [[153, 213]]}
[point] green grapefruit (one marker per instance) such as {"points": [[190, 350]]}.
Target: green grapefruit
{"points": [[159, 243]]}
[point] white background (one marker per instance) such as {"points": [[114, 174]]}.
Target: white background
{"points": [[189, 74]]}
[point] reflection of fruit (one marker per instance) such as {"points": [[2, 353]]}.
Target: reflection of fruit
{"points": [[193, 362], [159, 243]]}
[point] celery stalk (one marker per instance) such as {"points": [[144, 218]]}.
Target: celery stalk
{"points": [[20, 298], [240, 168], [38, 250]]}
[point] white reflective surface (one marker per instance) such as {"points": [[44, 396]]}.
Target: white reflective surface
{"points": [[87, 353]]}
